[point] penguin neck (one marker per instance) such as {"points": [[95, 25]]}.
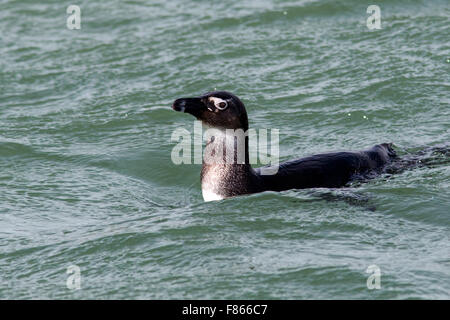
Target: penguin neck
{"points": [[226, 170]]}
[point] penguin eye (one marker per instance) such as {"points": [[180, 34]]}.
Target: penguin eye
{"points": [[219, 104], [222, 105]]}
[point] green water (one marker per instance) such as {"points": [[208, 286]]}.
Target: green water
{"points": [[86, 176]]}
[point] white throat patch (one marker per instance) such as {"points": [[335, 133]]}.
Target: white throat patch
{"points": [[208, 195]]}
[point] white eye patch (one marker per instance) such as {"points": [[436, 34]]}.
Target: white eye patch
{"points": [[219, 103]]}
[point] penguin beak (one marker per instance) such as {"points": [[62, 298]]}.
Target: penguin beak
{"points": [[194, 106]]}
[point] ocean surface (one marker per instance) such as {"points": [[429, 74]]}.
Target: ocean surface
{"points": [[86, 177]]}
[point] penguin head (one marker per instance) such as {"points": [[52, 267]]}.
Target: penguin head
{"points": [[217, 109]]}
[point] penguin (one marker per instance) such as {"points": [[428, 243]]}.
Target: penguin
{"points": [[227, 177]]}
